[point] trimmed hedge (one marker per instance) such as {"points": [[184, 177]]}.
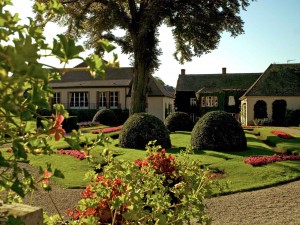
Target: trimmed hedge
{"points": [[278, 112], [140, 128], [218, 131], [106, 117], [179, 121]]}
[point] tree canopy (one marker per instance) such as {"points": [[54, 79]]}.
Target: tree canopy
{"points": [[196, 25]]}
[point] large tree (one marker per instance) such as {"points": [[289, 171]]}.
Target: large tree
{"points": [[197, 26]]}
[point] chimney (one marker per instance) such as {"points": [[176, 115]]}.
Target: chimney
{"points": [[224, 70], [182, 72]]}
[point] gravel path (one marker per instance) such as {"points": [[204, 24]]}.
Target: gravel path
{"points": [[271, 206]]}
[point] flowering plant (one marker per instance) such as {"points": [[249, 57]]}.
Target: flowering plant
{"points": [[263, 160], [140, 192], [282, 134], [107, 130], [75, 153]]}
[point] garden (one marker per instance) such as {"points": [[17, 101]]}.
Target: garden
{"points": [[141, 171], [271, 157]]}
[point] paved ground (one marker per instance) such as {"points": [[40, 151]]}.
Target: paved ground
{"points": [[271, 206]]}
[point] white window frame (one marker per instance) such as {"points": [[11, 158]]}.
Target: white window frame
{"points": [[79, 100], [113, 99], [209, 101], [193, 102], [102, 99], [56, 98]]}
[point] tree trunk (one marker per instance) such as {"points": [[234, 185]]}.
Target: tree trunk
{"points": [[143, 65]]}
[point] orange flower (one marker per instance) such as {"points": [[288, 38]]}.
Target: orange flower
{"points": [[57, 129]]}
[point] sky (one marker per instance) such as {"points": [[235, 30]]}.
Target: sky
{"points": [[271, 35]]}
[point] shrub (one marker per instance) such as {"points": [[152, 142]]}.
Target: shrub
{"points": [[279, 112], [218, 131], [121, 114], [83, 114], [140, 128], [144, 192], [179, 121], [106, 117], [292, 118], [260, 110]]}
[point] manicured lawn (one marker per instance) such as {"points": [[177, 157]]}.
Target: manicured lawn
{"points": [[239, 175]]}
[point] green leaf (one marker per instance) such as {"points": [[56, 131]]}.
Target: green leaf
{"points": [[13, 220], [106, 45], [17, 187], [19, 150], [26, 116], [58, 173], [97, 66]]}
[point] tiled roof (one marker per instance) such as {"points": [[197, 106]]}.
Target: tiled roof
{"points": [[195, 82], [123, 73], [277, 80], [114, 77]]}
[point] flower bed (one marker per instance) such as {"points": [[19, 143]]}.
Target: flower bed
{"points": [[106, 130], [263, 160], [88, 124], [75, 153], [282, 134]]}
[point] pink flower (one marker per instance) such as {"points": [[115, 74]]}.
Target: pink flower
{"points": [[57, 129]]}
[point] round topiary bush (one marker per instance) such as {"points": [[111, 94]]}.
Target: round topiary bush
{"points": [[179, 121], [140, 128], [106, 117], [218, 131]]}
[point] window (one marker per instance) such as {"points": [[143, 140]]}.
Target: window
{"points": [[231, 101], [114, 99], [193, 102], [56, 98], [209, 101], [79, 100], [102, 99]]}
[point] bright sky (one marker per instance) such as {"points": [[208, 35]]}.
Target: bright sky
{"points": [[272, 35]]}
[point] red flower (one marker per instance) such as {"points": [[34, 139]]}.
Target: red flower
{"points": [[282, 134], [47, 174], [57, 129]]}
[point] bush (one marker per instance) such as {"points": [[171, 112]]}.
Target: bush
{"points": [[83, 115], [260, 110], [279, 112], [179, 121], [218, 131], [106, 117], [292, 118], [140, 128], [121, 114]]}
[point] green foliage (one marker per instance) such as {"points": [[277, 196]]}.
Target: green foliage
{"points": [[142, 193], [106, 117], [260, 110], [292, 118], [25, 90], [278, 112], [140, 128], [179, 121], [218, 131]]}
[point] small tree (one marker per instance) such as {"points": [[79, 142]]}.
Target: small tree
{"points": [[260, 110], [279, 112]]}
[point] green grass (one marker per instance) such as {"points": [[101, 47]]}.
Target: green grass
{"points": [[241, 176]]}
